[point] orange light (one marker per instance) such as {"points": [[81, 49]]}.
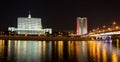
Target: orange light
{"points": [[117, 27], [104, 26], [114, 23], [97, 28], [109, 29], [99, 31], [93, 29]]}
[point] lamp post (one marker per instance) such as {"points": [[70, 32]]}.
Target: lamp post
{"points": [[104, 26], [109, 29], [114, 24], [116, 27]]}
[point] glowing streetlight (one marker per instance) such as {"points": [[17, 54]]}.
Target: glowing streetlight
{"points": [[98, 28], [109, 29], [99, 31], [114, 23], [117, 27], [93, 30], [103, 30], [104, 26]]}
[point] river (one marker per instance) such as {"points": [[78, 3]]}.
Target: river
{"points": [[59, 51]]}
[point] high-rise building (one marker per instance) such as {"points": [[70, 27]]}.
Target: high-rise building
{"points": [[29, 25], [82, 27]]}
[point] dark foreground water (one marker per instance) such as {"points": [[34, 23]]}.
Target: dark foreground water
{"points": [[59, 51]]}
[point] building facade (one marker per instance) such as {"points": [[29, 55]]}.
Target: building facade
{"points": [[82, 26], [29, 25]]}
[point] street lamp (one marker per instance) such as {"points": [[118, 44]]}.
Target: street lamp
{"points": [[104, 26], [98, 28], [117, 27], [93, 30], [114, 23], [109, 29], [99, 31]]}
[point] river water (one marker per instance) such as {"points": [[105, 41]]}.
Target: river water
{"points": [[59, 51]]}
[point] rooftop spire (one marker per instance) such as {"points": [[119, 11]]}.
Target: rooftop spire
{"points": [[29, 15]]}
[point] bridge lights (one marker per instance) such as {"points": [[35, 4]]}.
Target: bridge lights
{"points": [[93, 30], [109, 29], [98, 28], [99, 31], [117, 27], [114, 23], [103, 30], [104, 26]]}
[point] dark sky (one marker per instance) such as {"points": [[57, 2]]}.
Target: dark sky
{"points": [[60, 15]]}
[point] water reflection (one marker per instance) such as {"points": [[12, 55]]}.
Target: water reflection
{"points": [[104, 53], [114, 57], [29, 51], [71, 50], [59, 51], [81, 51], [1, 48]]}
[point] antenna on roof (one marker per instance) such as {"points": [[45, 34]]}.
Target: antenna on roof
{"points": [[29, 15]]}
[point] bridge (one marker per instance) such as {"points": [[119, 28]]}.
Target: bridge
{"points": [[105, 32], [105, 35]]}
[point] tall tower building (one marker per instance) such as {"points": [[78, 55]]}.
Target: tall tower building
{"points": [[82, 26]]}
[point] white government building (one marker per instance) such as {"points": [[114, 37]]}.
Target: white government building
{"points": [[29, 25]]}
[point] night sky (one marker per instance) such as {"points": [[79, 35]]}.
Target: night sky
{"points": [[60, 15]]}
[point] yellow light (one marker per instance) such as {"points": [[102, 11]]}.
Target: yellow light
{"points": [[114, 57], [109, 29], [104, 53], [93, 29], [60, 49], [25, 34], [114, 23], [99, 31], [117, 27], [98, 28], [104, 26], [117, 43]]}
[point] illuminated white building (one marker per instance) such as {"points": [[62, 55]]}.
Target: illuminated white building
{"points": [[82, 27], [29, 25]]}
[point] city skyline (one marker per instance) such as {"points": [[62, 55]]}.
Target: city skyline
{"points": [[60, 15]]}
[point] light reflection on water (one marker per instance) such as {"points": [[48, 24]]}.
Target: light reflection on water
{"points": [[59, 51], [1, 48]]}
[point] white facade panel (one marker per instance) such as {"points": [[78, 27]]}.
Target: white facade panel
{"points": [[29, 23], [32, 26]]}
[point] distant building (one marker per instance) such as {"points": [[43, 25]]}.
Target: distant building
{"points": [[82, 27], [29, 25]]}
